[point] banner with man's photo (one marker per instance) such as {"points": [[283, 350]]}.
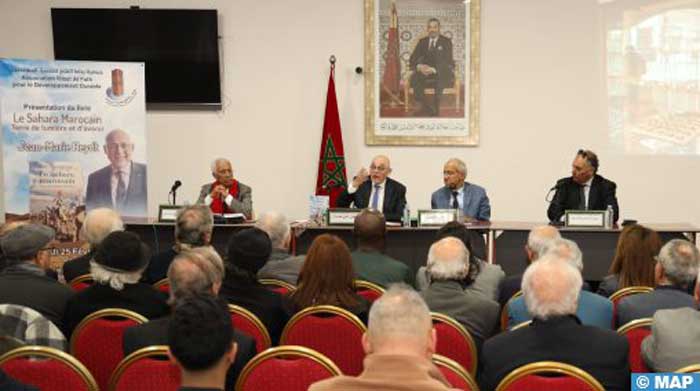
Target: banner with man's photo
{"points": [[73, 140]]}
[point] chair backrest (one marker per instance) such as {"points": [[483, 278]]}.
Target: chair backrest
{"points": [[624, 292], [521, 325], [332, 331], [567, 377], [504, 310], [289, 368], [55, 371], [695, 368], [456, 375], [81, 282], [246, 322], [635, 332], [279, 286], [97, 340], [368, 290], [454, 342], [146, 369], [163, 286]]}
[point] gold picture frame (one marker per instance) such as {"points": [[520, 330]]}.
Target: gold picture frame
{"points": [[391, 117]]}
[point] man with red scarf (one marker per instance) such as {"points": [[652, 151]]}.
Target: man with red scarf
{"points": [[225, 194]]}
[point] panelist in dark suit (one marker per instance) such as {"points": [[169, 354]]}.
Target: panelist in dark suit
{"points": [[584, 189], [471, 199], [226, 194], [433, 66], [376, 190], [122, 184]]}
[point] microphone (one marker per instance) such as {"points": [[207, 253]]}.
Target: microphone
{"points": [[556, 187], [175, 186]]}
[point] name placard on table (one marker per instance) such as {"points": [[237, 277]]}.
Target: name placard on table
{"points": [[436, 217], [585, 218], [341, 216]]}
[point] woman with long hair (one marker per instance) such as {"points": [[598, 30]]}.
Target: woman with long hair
{"points": [[634, 260]]}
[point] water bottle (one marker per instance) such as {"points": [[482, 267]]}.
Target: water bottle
{"points": [[406, 216], [609, 217]]}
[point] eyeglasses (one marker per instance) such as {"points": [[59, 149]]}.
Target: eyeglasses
{"points": [[377, 168], [115, 146]]}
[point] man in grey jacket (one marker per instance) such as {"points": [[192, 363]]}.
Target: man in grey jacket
{"points": [[226, 194]]}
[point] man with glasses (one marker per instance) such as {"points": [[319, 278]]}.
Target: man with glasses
{"points": [[122, 184], [584, 189], [375, 190]]}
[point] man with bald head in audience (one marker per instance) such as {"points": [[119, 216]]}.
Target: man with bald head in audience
{"points": [[399, 344], [281, 265], [551, 287], [368, 260], [375, 190], [226, 194]]}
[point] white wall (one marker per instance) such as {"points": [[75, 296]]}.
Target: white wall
{"points": [[542, 99]]}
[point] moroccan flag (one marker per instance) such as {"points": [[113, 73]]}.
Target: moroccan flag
{"points": [[331, 179], [392, 65]]}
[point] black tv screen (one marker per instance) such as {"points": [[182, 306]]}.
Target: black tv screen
{"points": [[180, 48]]}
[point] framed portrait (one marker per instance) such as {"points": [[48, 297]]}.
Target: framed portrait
{"points": [[422, 72]]}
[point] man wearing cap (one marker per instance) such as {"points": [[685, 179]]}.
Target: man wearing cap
{"points": [[23, 281], [117, 268]]}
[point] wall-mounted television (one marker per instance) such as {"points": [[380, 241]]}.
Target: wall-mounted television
{"points": [[179, 46]]}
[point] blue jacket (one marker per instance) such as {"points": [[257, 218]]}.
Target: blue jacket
{"points": [[475, 202], [593, 310]]}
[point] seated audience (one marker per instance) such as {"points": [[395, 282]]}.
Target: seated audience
{"points": [[194, 225], [537, 240], [23, 281], [327, 279], [592, 309], [193, 272], [248, 250], [30, 327], [634, 261], [399, 344], [486, 277], [200, 337], [675, 270], [551, 287], [448, 268], [116, 268], [281, 265], [98, 224], [674, 339], [368, 260]]}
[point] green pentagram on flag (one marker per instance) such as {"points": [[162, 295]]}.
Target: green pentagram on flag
{"points": [[333, 166]]}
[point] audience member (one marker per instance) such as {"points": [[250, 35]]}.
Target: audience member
{"points": [[537, 240], [98, 224], [634, 261], [193, 272], [368, 259], [448, 268], [116, 268], [30, 327], [675, 270], [327, 279], [23, 281], [248, 250], [592, 309], [399, 344], [281, 265], [551, 288], [194, 225], [200, 337]]}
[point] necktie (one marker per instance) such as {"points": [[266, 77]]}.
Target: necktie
{"points": [[455, 201], [375, 197], [121, 190], [582, 198]]}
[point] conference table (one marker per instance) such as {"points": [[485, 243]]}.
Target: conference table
{"points": [[503, 243]]}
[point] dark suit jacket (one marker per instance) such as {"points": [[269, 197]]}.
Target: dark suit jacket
{"points": [[157, 268], [602, 353], [509, 286], [155, 332], [394, 198], [440, 58], [9, 384], [99, 191], [77, 267], [568, 196], [644, 305]]}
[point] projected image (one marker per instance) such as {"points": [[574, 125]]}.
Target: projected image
{"points": [[653, 75]]}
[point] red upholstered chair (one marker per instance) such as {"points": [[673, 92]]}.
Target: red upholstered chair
{"points": [[163, 286], [331, 331], [635, 332], [456, 375], [288, 368], [566, 377], [624, 292], [146, 369], [246, 322], [368, 290], [48, 369], [279, 286], [454, 342], [97, 341], [504, 310], [81, 282]]}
